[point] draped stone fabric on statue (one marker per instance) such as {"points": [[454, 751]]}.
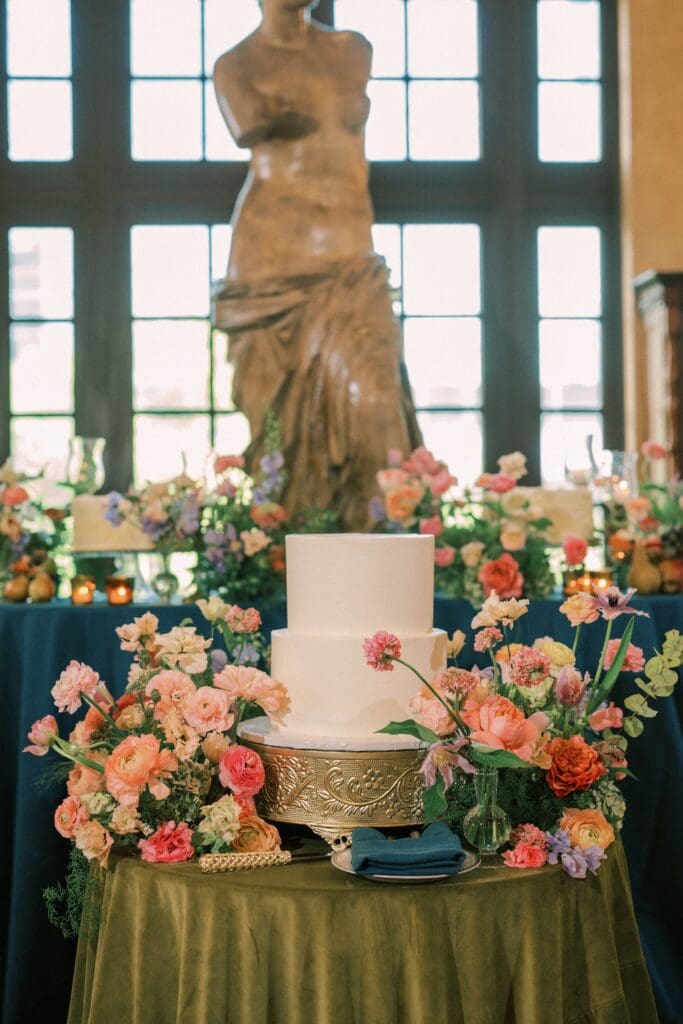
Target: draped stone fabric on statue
{"points": [[323, 355]]}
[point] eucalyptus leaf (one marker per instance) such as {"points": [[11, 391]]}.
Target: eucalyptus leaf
{"points": [[633, 727], [636, 703], [663, 689], [654, 666], [410, 728], [647, 688], [672, 649]]}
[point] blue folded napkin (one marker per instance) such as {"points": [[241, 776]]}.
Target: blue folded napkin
{"points": [[436, 852]]}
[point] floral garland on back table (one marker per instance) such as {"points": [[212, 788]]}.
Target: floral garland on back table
{"points": [[548, 724], [158, 773], [491, 539], [30, 536]]}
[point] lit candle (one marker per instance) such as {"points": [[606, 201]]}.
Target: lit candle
{"points": [[602, 579], [119, 589], [82, 589], [585, 583]]}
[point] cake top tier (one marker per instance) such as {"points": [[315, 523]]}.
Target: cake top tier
{"points": [[356, 583]]}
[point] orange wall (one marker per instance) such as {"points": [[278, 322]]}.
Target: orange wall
{"points": [[651, 87]]}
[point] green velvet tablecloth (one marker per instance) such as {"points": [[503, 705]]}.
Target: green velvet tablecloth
{"points": [[305, 944]]}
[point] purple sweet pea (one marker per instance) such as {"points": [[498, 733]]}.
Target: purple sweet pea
{"points": [[272, 463], [376, 509], [248, 655], [260, 497], [219, 660], [112, 512], [575, 860]]}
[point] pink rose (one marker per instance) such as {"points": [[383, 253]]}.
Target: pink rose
{"points": [[94, 841], [139, 762], [69, 815], [575, 549], [76, 678], [174, 688], [42, 735], [503, 576], [499, 483], [208, 710], [439, 482], [432, 526], [496, 722], [444, 556], [653, 450], [609, 717], [170, 844], [242, 770], [431, 713], [525, 855], [634, 660], [225, 462]]}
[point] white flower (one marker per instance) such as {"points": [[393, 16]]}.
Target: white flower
{"points": [[184, 649], [513, 464], [495, 611], [213, 609], [97, 803]]}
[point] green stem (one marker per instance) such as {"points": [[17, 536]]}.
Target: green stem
{"points": [[608, 633], [98, 707], [454, 715], [576, 639], [66, 750]]}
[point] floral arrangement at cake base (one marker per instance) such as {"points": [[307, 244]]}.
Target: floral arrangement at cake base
{"points": [[158, 773], [492, 538], [29, 538], [535, 740]]}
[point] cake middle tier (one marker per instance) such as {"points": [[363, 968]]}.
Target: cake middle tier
{"points": [[334, 692]]}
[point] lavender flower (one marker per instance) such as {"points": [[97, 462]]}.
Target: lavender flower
{"points": [[188, 523], [260, 497], [112, 512], [575, 860], [248, 655], [376, 509], [272, 463], [219, 660]]}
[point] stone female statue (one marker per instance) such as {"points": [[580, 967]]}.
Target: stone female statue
{"points": [[306, 303]]}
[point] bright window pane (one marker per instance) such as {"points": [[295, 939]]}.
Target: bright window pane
{"points": [[386, 239], [386, 129], [38, 37], [161, 441], [569, 123], [41, 367], [41, 444], [441, 269], [443, 357], [442, 38], [41, 273], [221, 236], [457, 438], [166, 120], [232, 434], [569, 272], [170, 266], [170, 364], [568, 39], [444, 120], [570, 364], [226, 22], [39, 120], [382, 23], [219, 142], [563, 441], [165, 37], [222, 372]]}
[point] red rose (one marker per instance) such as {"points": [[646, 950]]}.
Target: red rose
{"points": [[575, 766], [242, 770], [503, 576], [575, 549]]}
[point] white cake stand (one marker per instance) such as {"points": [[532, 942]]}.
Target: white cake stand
{"points": [[332, 784]]}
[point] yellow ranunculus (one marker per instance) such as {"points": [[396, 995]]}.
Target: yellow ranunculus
{"points": [[559, 654]]}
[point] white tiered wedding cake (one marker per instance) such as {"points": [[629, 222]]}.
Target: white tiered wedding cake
{"points": [[341, 588]]}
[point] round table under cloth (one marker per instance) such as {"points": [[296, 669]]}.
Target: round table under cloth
{"points": [[306, 944]]}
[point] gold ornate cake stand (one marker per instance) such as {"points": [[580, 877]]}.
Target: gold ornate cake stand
{"points": [[335, 791]]}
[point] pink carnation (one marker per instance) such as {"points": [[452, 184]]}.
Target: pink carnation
{"points": [[174, 688], [653, 450], [609, 717], [528, 667], [422, 461], [77, 678], [42, 735], [444, 556], [380, 650], [170, 844], [432, 526], [634, 660], [243, 620], [252, 684], [208, 710], [242, 770], [487, 638], [575, 549], [525, 855], [529, 833]]}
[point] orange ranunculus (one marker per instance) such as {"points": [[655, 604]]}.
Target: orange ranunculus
{"points": [[502, 575], [587, 827], [575, 766], [507, 651], [402, 501], [276, 557], [135, 763], [268, 516], [496, 722], [256, 836]]}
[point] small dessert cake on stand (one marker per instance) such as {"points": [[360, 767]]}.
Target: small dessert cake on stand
{"points": [[327, 766]]}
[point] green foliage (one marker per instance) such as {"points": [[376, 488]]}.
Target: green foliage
{"points": [[525, 796], [434, 801], [410, 728], [662, 677], [65, 900], [497, 759], [603, 690]]}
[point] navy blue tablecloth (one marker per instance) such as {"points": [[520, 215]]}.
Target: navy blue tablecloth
{"points": [[36, 643]]}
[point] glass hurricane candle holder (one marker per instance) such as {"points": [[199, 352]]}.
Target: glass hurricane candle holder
{"points": [[82, 590], [85, 464], [119, 589]]}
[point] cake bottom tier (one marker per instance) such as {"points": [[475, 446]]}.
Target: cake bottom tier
{"points": [[333, 693]]}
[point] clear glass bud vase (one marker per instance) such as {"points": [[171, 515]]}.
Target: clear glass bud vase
{"points": [[486, 826], [165, 583]]}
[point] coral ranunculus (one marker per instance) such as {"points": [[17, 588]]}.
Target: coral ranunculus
{"points": [[575, 766], [69, 815], [135, 763], [587, 827], [503, 576], [496, 722], [170, 844], [242, 770]]}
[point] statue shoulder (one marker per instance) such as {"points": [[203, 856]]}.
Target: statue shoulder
{"points": [[233, 76], [356, 47]]}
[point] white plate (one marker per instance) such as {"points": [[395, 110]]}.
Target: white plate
{"points": [[342, 861]]}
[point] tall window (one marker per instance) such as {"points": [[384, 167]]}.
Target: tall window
{"points": [[493, 148]]}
